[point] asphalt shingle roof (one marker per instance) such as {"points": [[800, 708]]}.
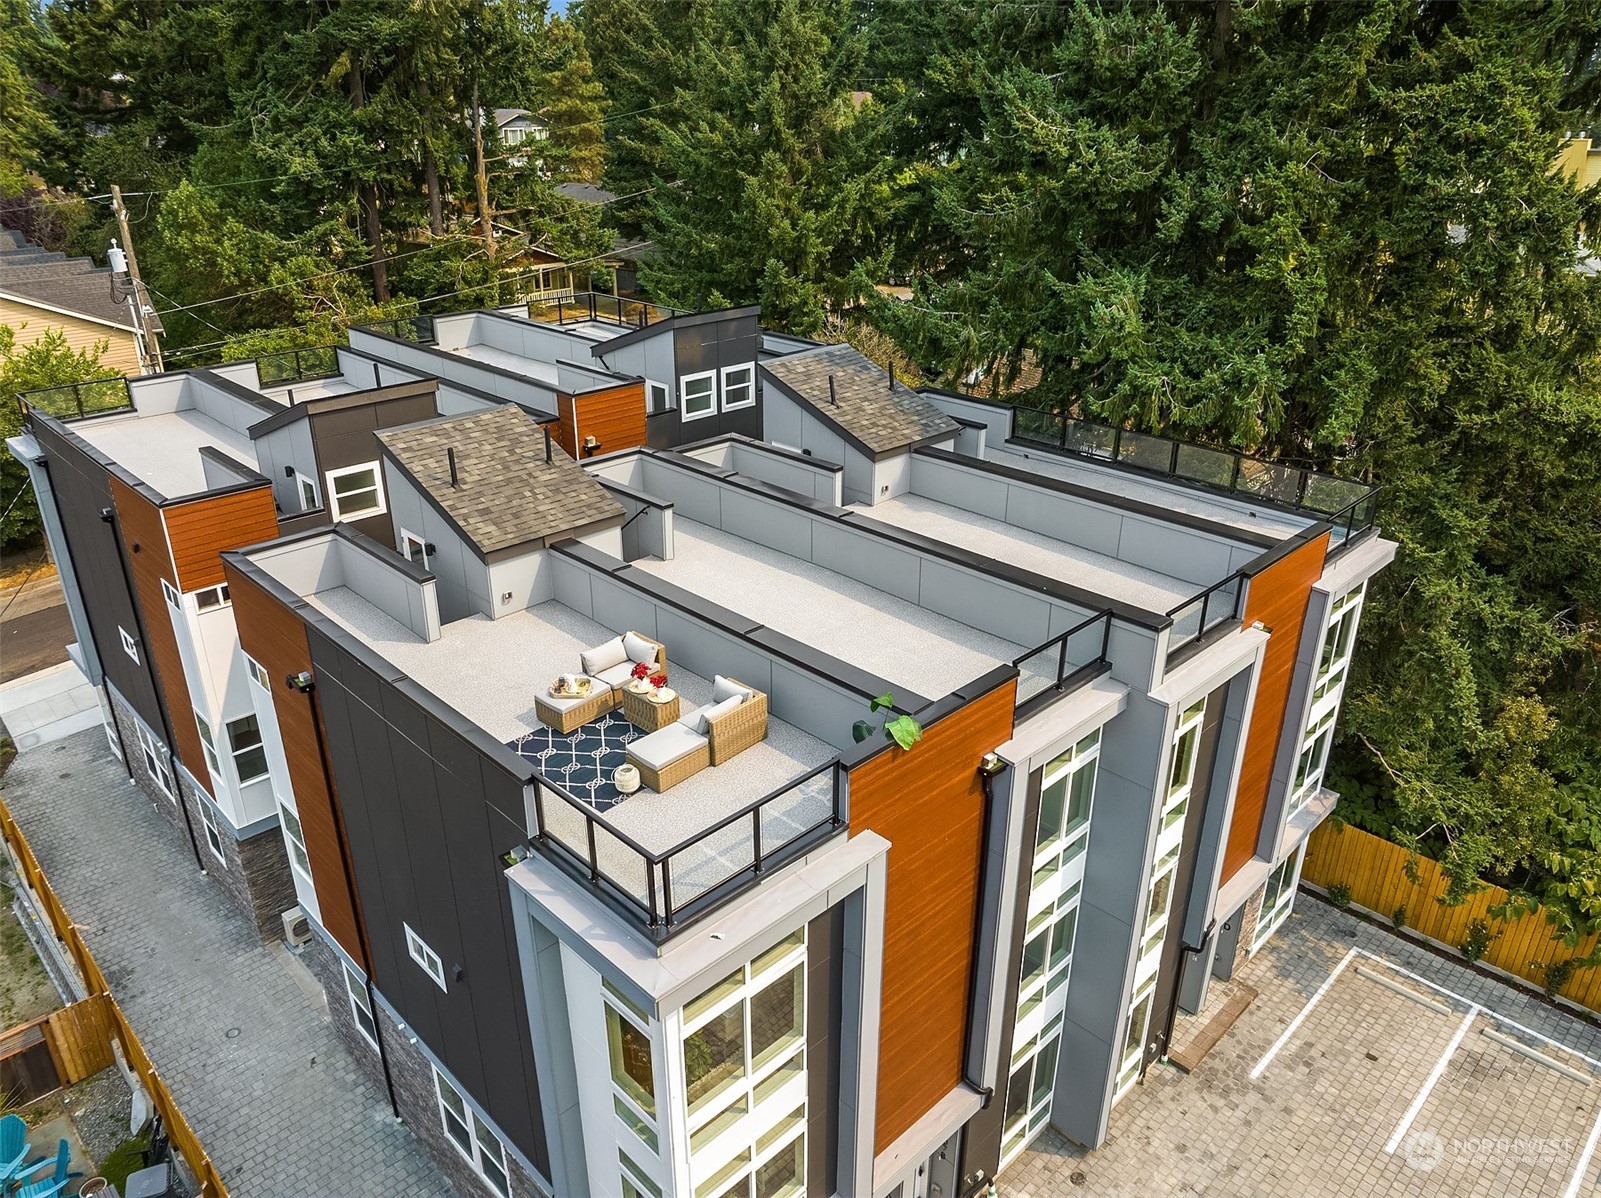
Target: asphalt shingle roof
{"points": [[71, 284], [508, 494], [868, 410]]}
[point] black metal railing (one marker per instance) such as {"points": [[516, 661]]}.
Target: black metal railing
{"points": [[596, 305], [297, 365], [74, 401], [1349, 505], [416, 329], [668, 889], [1064, 662], [1199, 614]]}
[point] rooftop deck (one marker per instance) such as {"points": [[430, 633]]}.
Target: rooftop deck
{"points": [[533, 368], [308, 389], [163, 449], [1034, 551], [491, 670], [913, 647]]}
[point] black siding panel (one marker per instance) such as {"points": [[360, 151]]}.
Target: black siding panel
{"points": [[429, 816], [711, 345]]}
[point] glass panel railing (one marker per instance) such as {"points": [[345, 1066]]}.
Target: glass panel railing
{"points": [[74, 401], [1049, 668], [293, 365], [1145, 451]]}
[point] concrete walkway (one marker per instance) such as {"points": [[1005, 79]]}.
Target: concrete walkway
{"points": [[231, 1024], [48, 706]]}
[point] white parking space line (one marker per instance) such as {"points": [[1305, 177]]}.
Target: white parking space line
{"points": [[1435, 1074], [1283, 1039], [1584, 1161]]}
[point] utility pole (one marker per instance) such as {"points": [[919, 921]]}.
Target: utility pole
{"points": [[152, 346]]}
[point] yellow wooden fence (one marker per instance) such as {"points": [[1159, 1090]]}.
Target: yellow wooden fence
{"points": [[1375, 870], [101, 1016]]}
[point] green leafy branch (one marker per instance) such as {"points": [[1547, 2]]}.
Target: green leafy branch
{"points": [[902, 729]]}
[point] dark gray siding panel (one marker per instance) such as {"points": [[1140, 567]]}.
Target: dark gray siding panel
{"points": [[711, 345], [429, 816], [83, 491]]}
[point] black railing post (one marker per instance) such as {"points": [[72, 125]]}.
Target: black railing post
{"points": [[1061, 426], [77, 398], [1173, 461], [558, 310], [756, 844], [1300, 490], [1061, 660], [1106, 635], [650, 888], [1117, 444], [539, 812], [667, 891], [594, 860]]}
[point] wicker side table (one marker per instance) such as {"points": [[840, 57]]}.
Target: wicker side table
{"points": [[644, 712]]}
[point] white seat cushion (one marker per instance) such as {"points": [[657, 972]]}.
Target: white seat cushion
{"points": [[603, 657], [638, 648], [616, 675], [723, 688], [663, 747], [568, 702]]}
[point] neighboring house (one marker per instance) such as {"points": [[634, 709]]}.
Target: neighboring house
{"points": [[1580, 157], [788, 963], [42, 290], [517, 126]]}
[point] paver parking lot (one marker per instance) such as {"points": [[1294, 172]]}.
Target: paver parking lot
{"points": [[1367, 1066]]}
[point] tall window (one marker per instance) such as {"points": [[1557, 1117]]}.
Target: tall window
{"points": [[361, 1006], [698, 395], [294, 840], [308, 492], [155, 755], [629, 1045], [1067, 795], [249, 755], [658, 398], [1278, 897], [471, 1136], [354, 492], [213, 834], [208, 745], [1328, 689], [744, 1046]]}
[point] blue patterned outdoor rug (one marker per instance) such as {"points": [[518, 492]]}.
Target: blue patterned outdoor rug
{"points": [[582, 761]]}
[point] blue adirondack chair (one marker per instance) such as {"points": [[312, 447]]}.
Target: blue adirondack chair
{"points": [[50, 1186], [14, 1151]]}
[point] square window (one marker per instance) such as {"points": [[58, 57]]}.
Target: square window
{"points": [[129, 645], [739, 387], [425, 956], [170, 593], [699, 392], [249, 755], [257, 674], [714, 1056], [777, 1018], [784, 1173], [354, 492], [636, 1177], [211, 597]]}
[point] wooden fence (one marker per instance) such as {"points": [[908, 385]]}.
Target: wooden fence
{"points": [[89, 1027], [55, 1050], [1375, 870]]}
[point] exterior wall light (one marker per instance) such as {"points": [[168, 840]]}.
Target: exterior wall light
{"points": [[991, 765]]}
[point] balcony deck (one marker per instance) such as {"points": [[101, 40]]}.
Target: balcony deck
{"points": [[491, 670], [163, 449]]}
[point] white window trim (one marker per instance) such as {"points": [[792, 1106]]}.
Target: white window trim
{"points": [[258, 675], [208, 745], [427, 960], [236, 753], [474, 1121], [213, 833], [295, 841], [302, 484], [129, 645], [685, 415], [333, 476], [154, 751], [723, 387], [360, 1005], [1268, 920], [224, 599], [407, 539], [651, 385], [171, 594]]}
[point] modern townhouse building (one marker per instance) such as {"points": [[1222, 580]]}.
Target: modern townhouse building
{"points": [[693, 937]]}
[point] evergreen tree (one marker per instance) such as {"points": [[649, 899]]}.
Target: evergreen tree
{"points": [[574, 110]]}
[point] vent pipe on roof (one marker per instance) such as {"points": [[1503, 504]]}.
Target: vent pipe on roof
{"points": [[450, 456], [548, 457], [892, 376], [377, 379], [832, 397]]}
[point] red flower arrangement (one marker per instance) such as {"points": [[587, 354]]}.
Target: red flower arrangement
{"points": [[641, 669], [658, 680]]}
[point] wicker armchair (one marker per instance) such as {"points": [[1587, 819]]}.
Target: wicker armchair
{"points": [[735, 731]]}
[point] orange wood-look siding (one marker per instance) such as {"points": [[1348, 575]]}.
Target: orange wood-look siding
{"points": [[145, 542], [1278, 598], [201, 530], [615, 417], [276, 639], [929, 804]]}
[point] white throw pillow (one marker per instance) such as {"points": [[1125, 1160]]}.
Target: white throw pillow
{"points": [[638, 648], [723, 708], [695, 720], [726, 688], [604, 657]]}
